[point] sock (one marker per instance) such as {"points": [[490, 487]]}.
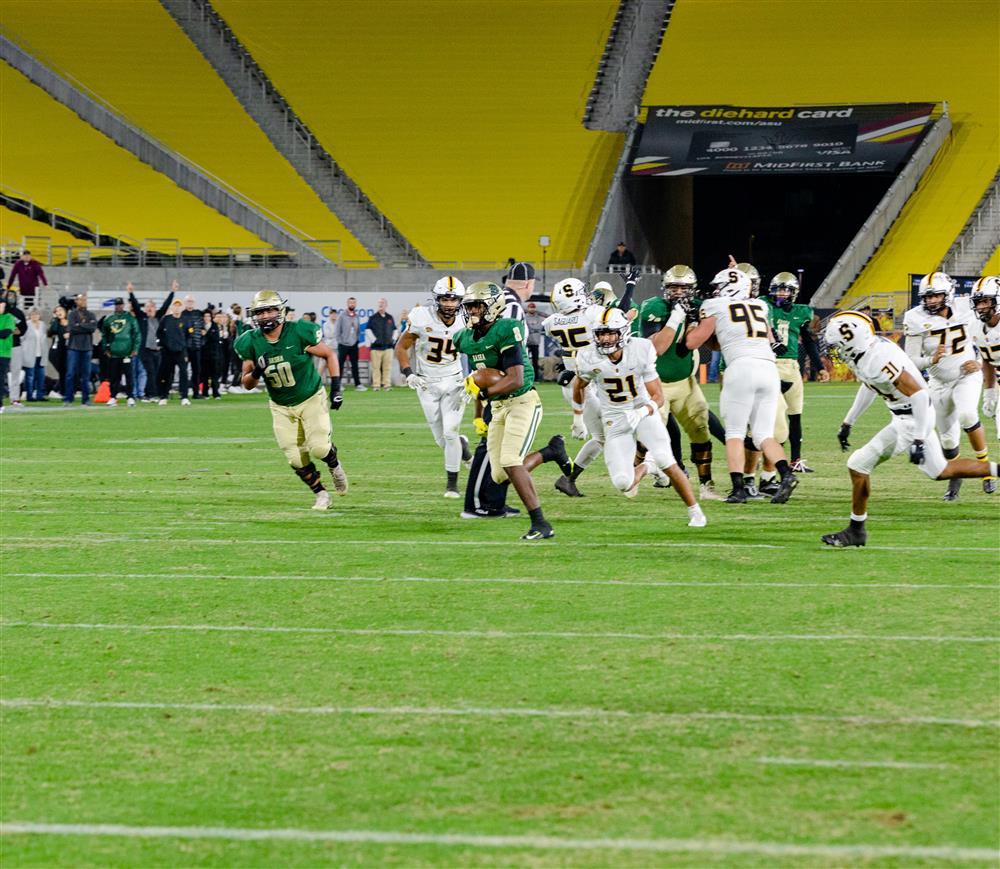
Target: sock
{"points": [[783, 468], [311, 477], [858, 522], [536, 516], [748, 480], [767, 476], [795, 435], [452, 479], [737, 478], [331, 458], [674, 431], [983, 455], [715, 428], [994, 469]]}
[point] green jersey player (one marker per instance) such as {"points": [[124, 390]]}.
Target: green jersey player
{"points": [[281, 352]]}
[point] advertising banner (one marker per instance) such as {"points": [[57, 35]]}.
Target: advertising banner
{"points": [[778, 140], [963, 285]]}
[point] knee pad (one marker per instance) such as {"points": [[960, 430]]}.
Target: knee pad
{"points": [[331, 457], [971, 428], [701, 454], [950, 452], [748, 444]]}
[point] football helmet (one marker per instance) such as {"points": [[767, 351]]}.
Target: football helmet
{"points": [[754, 276], [851, 333], [730, 284], [985, 293], [936, 284], [603, 294], [448, 293], [679, 282], [568, 295], [267, 310], [483, 302], [611, 332], [783, 289]]}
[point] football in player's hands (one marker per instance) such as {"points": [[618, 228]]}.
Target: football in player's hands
{"points": [[487, 378], [336, 399], [843, 435], [917, 452]]}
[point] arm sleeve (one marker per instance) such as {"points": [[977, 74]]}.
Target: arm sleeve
{"points": [[511, 356], [913, 347], [41, 275], [625, 302], [923, 417], [862, 401]]}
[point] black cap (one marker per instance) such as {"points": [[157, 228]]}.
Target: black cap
{"points": [[521, 272], [119, 301]]}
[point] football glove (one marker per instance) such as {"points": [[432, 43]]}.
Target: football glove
{"points": [[779, 349], [259, 364], [635, 415], [480, 426], [990, 401], [336, 399], [471, 388], [843, 435], [633, 275], [579, 430], [565, 377], [414, 381], [917, 452]]}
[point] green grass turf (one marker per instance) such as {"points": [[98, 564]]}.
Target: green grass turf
{"points": [[118, 520]]}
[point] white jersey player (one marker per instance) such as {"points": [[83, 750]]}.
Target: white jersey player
{"points": [[436, 372], [986, 334], [751, 386], [939, 338], [886, 371], [623, 372]]}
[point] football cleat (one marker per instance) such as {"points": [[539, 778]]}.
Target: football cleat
{"points": [[990, 485], [800, 467], [737, 496], [451, 493], [769, 488], [510, 511], [466, 452], [845, 538], [752, 492], [953, 489], [696, 518], [339, 479], [322, 501], [785, 489], [706, 492], [568, 487], [481, 514], [539, 531], [557, 448]]}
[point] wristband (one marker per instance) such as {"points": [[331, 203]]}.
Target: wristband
{"points": [[406, 372], [335, 384]]}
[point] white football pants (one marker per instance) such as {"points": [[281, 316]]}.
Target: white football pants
{"points": [[750, 393], [619, 447], [443, 402], [956, 406]]}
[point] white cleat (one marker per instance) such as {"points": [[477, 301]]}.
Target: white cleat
{"points": [[451, 493], [707, 492], [131, 402], [339, 479], [185, 402], [696, 518], [322, 501], [112, 402]]}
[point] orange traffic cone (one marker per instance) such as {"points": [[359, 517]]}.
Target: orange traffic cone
{"points": [[103, 393]]}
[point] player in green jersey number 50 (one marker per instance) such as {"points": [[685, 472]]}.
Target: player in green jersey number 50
{"points": [[281, 353]]}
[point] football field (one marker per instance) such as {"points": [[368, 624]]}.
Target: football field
{"points": [[199, 670]]}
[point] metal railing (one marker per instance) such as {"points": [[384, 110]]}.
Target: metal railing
{"points": [[979, 237]]}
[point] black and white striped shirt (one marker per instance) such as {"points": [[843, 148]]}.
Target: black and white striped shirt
{"points": [[515, 308]]}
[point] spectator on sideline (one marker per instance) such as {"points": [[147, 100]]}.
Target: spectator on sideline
{"points": [[346, 332], [173, 353], [621, 256], [81, 325], [120, 345], [59, 335], [33, 347], [7, 323], [213, 355], [329, 338], [21, 324], [28, 272], [309, 316], [381, 332], [237, 326], [533, 320], [148, 317], [194, 332]]}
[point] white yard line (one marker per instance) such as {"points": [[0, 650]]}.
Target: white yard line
{"points": [[481, 580], [849, 764], [499, 634], [530, 842], [502, 712]]}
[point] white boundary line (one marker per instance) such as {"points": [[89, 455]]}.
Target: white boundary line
{"points": [[502, 712], [545, 843], [498, 634], [849, 764], [92, 540], [479, 580]]}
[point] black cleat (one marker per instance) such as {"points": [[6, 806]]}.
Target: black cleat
{"points": [[539, 531], [556, 448], [990, 485], [845, 538], [466, 452], [953, 488], [568, 487], [737, 496], [769, 488], [785, 489], [510, 511]]}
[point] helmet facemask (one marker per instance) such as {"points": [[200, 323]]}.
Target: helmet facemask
{"points": [[985, 307], [448, 306], [268, 318], [609, 340], [934, 307], [783, 296]]}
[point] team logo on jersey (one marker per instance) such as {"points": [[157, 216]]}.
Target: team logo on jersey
{"points": [[430, 328], [595, 371]]}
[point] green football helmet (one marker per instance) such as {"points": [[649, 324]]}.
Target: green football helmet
{"points": [[754, 276], [679, 282], [261, 307], [483, 302]]}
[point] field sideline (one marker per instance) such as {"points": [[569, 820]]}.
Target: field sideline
{"points": [[199, 670]]}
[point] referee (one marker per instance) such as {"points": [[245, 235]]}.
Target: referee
{"points": [[485, 499]]}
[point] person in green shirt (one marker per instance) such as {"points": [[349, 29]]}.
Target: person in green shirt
{"points": [[281, 352], [7, 324], [120, 347], [494, 341]]}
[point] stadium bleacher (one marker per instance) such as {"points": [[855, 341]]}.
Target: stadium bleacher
{"points": [[173, 93], [763, 59], [15, 228], [413, 112]]}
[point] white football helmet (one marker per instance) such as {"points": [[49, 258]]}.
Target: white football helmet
{"points": [[448, 292], [985, 296], [731, 284], [611, 332], [936, 284], [602, 293], [568, 295], [851, 333]]}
